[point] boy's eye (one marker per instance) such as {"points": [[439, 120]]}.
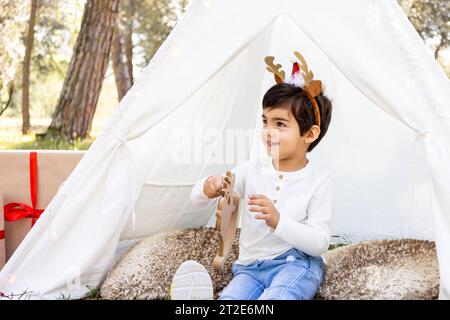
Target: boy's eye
{"points": [[280, 124], [264, 121]]}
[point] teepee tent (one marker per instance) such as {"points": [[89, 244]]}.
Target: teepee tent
{"points": [[388, 145]]}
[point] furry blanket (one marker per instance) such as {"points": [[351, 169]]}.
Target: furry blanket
{"points": [[384, 269]]}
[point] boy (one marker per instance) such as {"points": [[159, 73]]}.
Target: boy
{"points": [[287, 202]]}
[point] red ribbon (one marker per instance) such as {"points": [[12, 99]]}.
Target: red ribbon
{"points": [[16, 210], [2, 234]]}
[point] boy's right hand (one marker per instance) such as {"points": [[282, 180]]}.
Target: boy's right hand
{"points": [[212, 186]]}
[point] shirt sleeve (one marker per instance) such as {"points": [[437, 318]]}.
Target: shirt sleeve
{"points": [[198, 197], [313, 236]]}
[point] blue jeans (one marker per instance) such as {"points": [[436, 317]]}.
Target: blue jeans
{"points": [[293, 275]]}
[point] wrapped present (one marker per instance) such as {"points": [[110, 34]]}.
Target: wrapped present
{"points": [[28, 182], [2, 235]]}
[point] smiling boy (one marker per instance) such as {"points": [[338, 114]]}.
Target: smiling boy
{"points": [[285, 219]]}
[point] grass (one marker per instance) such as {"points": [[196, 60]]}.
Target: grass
{"points": [[93, 294], [30, 142], [11, 138], [335, 246]]}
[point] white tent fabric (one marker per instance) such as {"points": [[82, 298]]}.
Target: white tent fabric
{"points": [[388, 146]]}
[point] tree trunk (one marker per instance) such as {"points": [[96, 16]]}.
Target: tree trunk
{"points": [[79, 96], [129, 38], [26, 69], [122, 53], [10, 96]]}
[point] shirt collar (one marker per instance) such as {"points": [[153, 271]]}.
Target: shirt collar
{"points": [[288, 175]]}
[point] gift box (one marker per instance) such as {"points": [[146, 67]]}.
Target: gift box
{"points": [[28, 181], [2, 235]]}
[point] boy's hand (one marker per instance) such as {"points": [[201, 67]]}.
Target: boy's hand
{"points": [[260, 203], [212, 186]]}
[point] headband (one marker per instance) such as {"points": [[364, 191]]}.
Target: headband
{"points": [[312, 87]]}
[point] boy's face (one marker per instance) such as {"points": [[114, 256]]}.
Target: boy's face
{"points": [[281, 135]]}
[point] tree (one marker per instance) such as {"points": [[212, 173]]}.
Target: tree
{"points": [[122, 48], [56, 33], [155, 21], [431, 20], [183, 5], [148, 22], [26, 68], [12, 15], [81, 89]]}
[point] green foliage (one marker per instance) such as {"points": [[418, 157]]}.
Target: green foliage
{"points": [[93, 294], [44, 92], [431, 19], [57, 29], [13, 16], [153, 20], [12, 21], [55, 36]]}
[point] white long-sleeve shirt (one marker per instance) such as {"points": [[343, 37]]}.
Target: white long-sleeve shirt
{"points": [[303, 199]]}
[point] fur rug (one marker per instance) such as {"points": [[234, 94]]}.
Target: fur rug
{"points": [[382, 269], [146, 270], [385, 269]]}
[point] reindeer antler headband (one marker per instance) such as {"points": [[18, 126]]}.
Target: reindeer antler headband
{"points": [[312, 87]]}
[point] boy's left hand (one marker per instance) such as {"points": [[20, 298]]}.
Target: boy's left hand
{"points": [[260, 203]]}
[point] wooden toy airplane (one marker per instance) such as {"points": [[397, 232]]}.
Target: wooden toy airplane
{"points": [[226, 218]]}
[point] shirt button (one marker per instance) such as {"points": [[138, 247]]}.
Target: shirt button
{"points": [[275, 201], [280, 176], [277, 188]]}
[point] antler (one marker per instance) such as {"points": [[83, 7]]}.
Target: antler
{"points": [[312, 87], [307, 74], [275, 69]]}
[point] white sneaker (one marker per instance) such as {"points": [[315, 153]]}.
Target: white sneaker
{"points": [[191, 281]]}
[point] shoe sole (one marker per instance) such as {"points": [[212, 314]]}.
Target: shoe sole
{"points": [[191, 281]]}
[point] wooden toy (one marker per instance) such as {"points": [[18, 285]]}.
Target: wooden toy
{"points": [[226, 219]]}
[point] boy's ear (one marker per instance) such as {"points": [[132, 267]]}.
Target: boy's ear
{"points": [[312, 134]]}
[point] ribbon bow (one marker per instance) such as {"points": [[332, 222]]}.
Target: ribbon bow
{"points": [[16, 210]]}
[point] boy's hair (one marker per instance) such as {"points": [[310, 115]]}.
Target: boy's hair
{"points": [[285, 95]]}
